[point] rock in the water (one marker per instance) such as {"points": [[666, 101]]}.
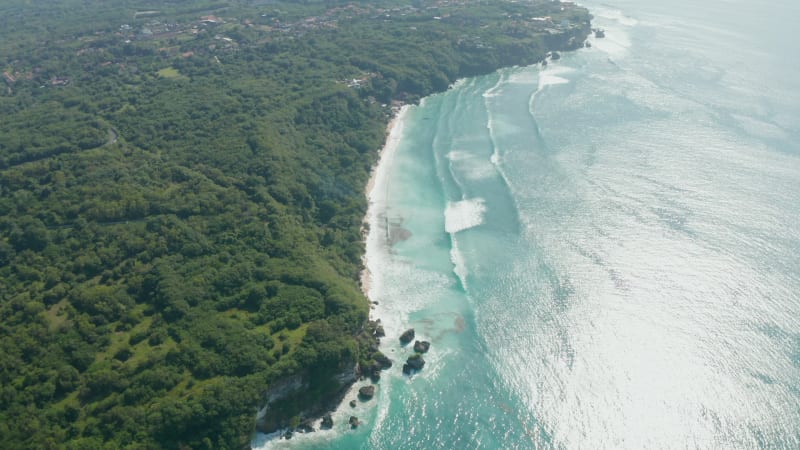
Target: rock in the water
{"points": [[555, 56], [379, 331], [353, 403], [327, 421], [354, 422], [421, 346], [366, 392], [407, 336], [414, 363], [375, 376], [288, 434], [305, 427], [382, 360]]}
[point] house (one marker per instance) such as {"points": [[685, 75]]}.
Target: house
{"points": [[210, 20], [59, 81]]}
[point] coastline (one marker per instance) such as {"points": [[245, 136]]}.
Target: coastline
{"points": [[394, 133], [377, 180], [374, 220]]}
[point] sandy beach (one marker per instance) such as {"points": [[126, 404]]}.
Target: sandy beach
{"points": [[394, 132]]}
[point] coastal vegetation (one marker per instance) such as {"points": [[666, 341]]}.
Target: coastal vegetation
{"points": [[182, 194]]}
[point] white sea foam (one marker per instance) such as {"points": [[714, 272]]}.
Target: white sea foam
{"points": [[464, 214], [551, 76], [469, 166], [616, 42], [384, 265], [459, 263], [457, 155], [365, 412], [495, 158], [547, 79], [461, 82], [495, 90], [525, 76]]}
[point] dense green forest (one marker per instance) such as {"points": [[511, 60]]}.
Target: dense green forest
{"points": [[182, 194]]}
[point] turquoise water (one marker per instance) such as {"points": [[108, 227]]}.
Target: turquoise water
{"points": [[604, 253]]}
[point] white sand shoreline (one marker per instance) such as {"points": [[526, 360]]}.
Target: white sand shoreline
{"points": [[394, 132], [375, 185]]}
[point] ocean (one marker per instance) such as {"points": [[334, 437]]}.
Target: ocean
{"points": [[604, 253]]}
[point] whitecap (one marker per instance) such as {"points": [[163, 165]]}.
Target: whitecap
{"points": [[523, 77], [464, 214], [495, 90], [365, 411], [547, 79], [459, 263], [553, 76], [457, 155]]}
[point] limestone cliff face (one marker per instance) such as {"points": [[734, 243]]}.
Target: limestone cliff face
{"points": [[282, 389], [296, 396], [569, 39]]}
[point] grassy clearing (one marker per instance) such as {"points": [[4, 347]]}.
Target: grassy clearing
{"points": [[171, 73]]}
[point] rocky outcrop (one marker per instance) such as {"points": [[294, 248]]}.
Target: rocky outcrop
{"points": [[383, 360], [422, 346], [371, 361], [366, 392], [327, 422], [413, 364], [569, 39], [407, 336], [372, 365], [305, 427], [354, 423]]}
